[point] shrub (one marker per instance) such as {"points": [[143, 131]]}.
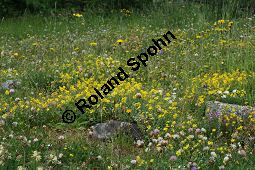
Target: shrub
{"points": [[11, 7]]}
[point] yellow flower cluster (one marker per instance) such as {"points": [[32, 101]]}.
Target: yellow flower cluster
{"points": [[217, 85]]}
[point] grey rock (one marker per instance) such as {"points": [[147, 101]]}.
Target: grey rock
{"points": [[9, 84], [112, 127], [215, 109]]}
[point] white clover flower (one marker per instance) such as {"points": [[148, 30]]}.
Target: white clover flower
{"points": [[2, 122], [203, 129], [160, 138], [21, 168], [35, 140], [182, 133], [213, 154], [2, 150], [224, 96], [60, 155], [176, 136], [160, 92], [173, 158], [226, 159], [133, 162], [61, 137], [36, 155], [15, 124], [167, 135], [154, 140], [242, 152], [226, 92], [200, 136], [17, 99], [147, 149], [140, 143], [204, 138], [206, 148], [39, 168], [222, 167], [53, 158], [12, 91], [99, 157], [233, 146], [229, 155], [190, 136], [149, 144]]}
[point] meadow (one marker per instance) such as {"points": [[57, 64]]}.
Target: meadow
{"points": [[59, 59]]}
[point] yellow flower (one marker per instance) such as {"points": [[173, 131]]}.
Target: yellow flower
{"points": [[93, 44], [7, 92], [200, 100], [198, 36], [175, 116], [119, 41], [77, 15], [52, 49], [186, 147], [240, 128], [129, 111], [222, 21], [230, 23], [178, 153], [139, 160], [4, 116], [220, 149], [210, 143], [71, 155], [222, 41]]}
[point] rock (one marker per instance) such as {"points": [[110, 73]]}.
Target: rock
{"points": [[215, 109], [113, 127], [10, 84]]}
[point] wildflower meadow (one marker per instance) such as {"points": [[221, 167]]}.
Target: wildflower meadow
{"points": [[51, 58]]}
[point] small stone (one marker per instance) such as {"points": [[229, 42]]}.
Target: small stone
{"points": [[113, 127], [216, 109], [9, 84]]}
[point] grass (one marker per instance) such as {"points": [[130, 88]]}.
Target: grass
{"points": [[60, 59]]}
